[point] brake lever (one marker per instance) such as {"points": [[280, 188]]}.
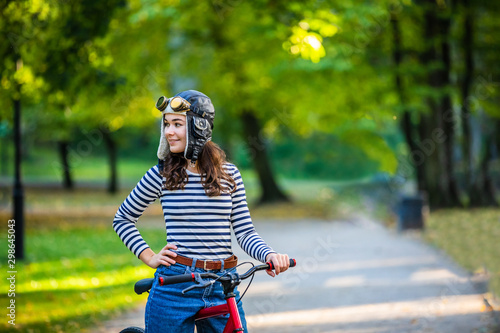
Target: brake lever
{"points": [[199, 283]]}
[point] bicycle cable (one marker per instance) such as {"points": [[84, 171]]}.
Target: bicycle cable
{"points": [[249, 283], [233, 269]]}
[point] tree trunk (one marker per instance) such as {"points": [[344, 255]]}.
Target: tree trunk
{"points": [[482, 187], [494, 152], [112, 155], [467, 47], [429, 149], [3, 170], [483, 191], [66, 168], [489, 184], [497, 139], [18, 190], [270, 190], [447, 117], [4, 153], [406, 124], [430, 127], [479, 185]]}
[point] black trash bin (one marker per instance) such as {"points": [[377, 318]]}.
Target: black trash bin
{"points": [[411, 212]]}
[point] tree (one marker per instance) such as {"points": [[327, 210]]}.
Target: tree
{"points": [[476, 105], [17, 78], [262, 63], [55, 42], [71, 60], [449, 178]]}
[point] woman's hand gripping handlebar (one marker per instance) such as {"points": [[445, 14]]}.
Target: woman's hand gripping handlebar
{"points": [[280, 261]]}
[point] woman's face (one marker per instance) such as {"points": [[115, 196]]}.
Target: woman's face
{"points": [[175, 131]]}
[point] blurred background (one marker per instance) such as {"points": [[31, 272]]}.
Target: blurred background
{"points": [[329, 108]]}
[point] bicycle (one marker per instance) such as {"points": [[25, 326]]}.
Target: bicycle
{"points": [[229, 282]]}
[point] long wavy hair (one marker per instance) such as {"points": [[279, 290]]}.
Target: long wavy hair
{"points": [[210, 165]]}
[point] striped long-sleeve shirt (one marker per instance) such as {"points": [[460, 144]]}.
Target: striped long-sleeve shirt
{"points": [[199, 225]]}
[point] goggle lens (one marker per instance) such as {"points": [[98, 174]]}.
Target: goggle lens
{"points": [[179, 104], [176, 103], [162, 103]]}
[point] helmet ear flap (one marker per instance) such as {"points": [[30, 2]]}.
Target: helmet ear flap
{"points": [[163, 146], [198, 132], [201, 124]]}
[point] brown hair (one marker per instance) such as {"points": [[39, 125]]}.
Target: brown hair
{"points": [[210, 165]]}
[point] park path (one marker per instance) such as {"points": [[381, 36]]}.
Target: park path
{"points": [[355, 276]]}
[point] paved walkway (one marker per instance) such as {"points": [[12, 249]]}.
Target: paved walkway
{"points": [[356, 277]]}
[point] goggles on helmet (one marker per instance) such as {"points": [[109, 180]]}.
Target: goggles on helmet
{"points": [[177, 104]]}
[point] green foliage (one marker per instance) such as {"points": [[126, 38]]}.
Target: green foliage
{"points": [[255, 74], [53, 54], [282, 61], [307, 35], [303, 66], [319, 156], [238, 59]]}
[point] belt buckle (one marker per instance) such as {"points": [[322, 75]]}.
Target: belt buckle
{"points": [[205, 264]]}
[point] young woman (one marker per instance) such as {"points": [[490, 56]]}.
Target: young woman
{"points": [[203, 197]]}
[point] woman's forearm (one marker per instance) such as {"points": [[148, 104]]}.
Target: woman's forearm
{"points": [[146, 256]]}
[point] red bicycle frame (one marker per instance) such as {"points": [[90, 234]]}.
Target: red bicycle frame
{"points": [[233, 323]]}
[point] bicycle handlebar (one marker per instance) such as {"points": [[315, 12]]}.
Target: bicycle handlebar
{"points": [[191, 277], [271, 265]]}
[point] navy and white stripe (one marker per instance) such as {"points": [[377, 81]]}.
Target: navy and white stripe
{"points": [[199, 225]]}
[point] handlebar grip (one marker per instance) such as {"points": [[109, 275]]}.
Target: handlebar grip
{"points": [[143, 285], [293, 263], [176, 279]]}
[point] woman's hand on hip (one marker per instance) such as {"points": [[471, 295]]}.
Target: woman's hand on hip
{"points": [[164, 257], [280, 261]]}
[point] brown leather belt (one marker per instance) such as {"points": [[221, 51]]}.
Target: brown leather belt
{"points": [[207, 265]]}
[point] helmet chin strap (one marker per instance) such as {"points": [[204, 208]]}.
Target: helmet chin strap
{"points": [[194, 159]]}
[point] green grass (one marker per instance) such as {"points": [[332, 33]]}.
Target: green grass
{"points": [[74, 276], [90, 169], [470, 237]]}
